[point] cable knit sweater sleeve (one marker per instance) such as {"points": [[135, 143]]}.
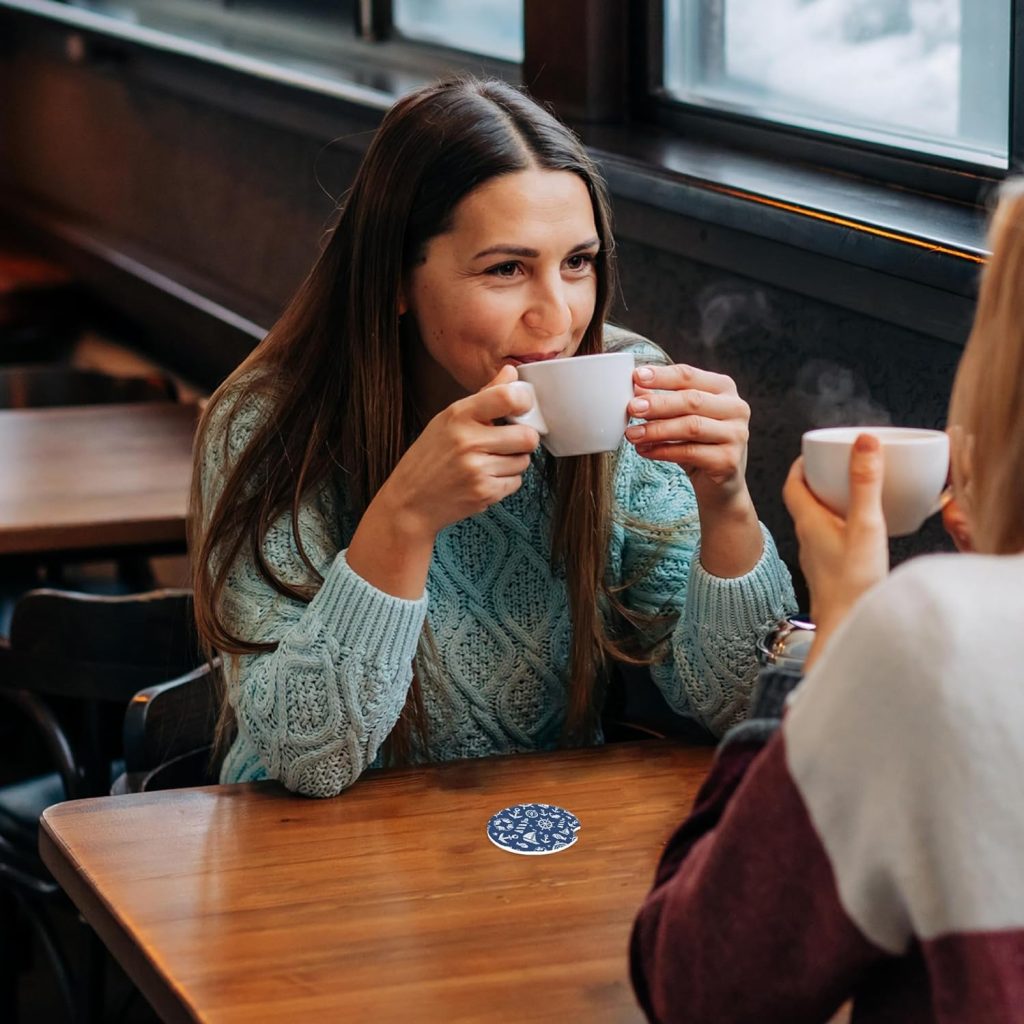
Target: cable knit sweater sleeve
{"points": [[710, 666], [314, 712]]}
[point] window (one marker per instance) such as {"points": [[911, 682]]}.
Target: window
{"points": [[491, 27], [909, 74]]}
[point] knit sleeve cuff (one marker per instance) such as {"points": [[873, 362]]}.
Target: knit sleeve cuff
{"points": [[772, 690], [745, 604], [380, 627]]}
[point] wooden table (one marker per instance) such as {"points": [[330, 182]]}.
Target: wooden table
{"points": [[388, 903], [107, 477]]}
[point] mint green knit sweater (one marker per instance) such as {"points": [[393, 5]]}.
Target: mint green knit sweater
{"points": [[314, 712]]}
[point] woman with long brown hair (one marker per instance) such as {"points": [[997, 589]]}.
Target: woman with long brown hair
{"points": [[868, 848], [389, 568]]}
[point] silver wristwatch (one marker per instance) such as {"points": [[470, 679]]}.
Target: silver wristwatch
{"points": [[786, 644]]}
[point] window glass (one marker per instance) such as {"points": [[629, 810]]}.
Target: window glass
{"points": [[492, 27], [908, 73]]}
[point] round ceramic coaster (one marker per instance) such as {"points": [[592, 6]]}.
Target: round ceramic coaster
{"points": [[533, 829]]}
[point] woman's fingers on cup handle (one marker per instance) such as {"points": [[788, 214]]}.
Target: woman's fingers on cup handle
{"points": [[515, 464], [531, 415], [501, 398], [506, 374], [511, 439]]}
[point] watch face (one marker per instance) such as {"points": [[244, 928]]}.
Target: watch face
{"points": [[787, 643]]}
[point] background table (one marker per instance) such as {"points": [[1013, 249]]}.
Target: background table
{"points": [[108, 477], [388, 903]]}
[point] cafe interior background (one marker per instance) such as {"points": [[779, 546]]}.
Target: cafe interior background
{"points": [[799, 186]]}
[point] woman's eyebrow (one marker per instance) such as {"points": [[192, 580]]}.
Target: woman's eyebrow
{"points": [[506, 249]]}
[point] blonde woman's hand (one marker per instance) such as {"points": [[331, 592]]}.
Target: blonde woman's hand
{"points": [[464, 461], [955, 519], [697, 420], [840, 558], [957, 525]]}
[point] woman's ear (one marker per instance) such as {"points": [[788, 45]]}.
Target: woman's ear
{"points": [[403, 303]]}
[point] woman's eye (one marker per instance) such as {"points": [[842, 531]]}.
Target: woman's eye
{"points": [[504, 269], [579, 260]]}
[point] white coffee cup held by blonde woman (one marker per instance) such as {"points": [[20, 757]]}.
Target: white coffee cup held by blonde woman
{"points": [[916, 468]]}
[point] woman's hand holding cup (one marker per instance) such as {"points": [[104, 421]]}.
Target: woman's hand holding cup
{"points": [[956, 523], [841, 558], [460, 464], [463, 462], [697, 420]]}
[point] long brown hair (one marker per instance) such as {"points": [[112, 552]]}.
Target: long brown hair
{"points": [[334, 369], [986, 413]]}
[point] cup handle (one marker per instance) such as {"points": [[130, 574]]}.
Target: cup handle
{"points": [[532, 417]]}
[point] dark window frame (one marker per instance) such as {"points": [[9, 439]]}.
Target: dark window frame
{"points": [[613, 74], [950, 178]]}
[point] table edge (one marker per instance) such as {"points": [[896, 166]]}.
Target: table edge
{"points": [[168, 1002]]}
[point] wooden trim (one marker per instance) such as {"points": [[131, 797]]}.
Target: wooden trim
{"points": [[373, 19], [577, 57], [1017, 88], [219, 328]]}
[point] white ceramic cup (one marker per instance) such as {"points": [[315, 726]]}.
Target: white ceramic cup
{"points": [[579, 403], [916, 466]]}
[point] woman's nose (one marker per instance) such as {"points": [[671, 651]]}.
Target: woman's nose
{"points": [[549, 309]]}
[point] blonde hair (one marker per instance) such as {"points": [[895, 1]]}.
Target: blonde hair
{"points": [[986, 413]]}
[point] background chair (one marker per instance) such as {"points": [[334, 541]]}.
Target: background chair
{"points": [[69, 668], [634, 709], [169, 733]]}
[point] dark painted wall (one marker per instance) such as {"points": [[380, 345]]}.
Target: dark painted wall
{"points": [[798, 362]]}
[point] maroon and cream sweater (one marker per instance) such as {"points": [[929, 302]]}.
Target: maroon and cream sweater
{"points": [[872, 848]]}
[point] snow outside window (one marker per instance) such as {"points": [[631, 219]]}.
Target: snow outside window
{"points": [[491, 27], [926, 75]]}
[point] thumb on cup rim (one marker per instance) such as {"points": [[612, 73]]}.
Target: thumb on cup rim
{"points": [[866, 473]]}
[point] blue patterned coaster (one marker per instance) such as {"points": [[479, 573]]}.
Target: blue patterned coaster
{"points": [[533, 829]]}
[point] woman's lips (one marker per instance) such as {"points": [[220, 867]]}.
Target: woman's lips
{"points": [[533, 357]]}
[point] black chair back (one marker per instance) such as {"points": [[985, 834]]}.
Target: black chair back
{"points": [[169, 732], [74, 661]]}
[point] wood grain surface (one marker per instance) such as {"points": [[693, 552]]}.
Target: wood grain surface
{"points": [[387, 903], [103, 476]]}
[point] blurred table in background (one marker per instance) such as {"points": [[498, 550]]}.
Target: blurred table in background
{"points": [[389, 903], [104, 480]]}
